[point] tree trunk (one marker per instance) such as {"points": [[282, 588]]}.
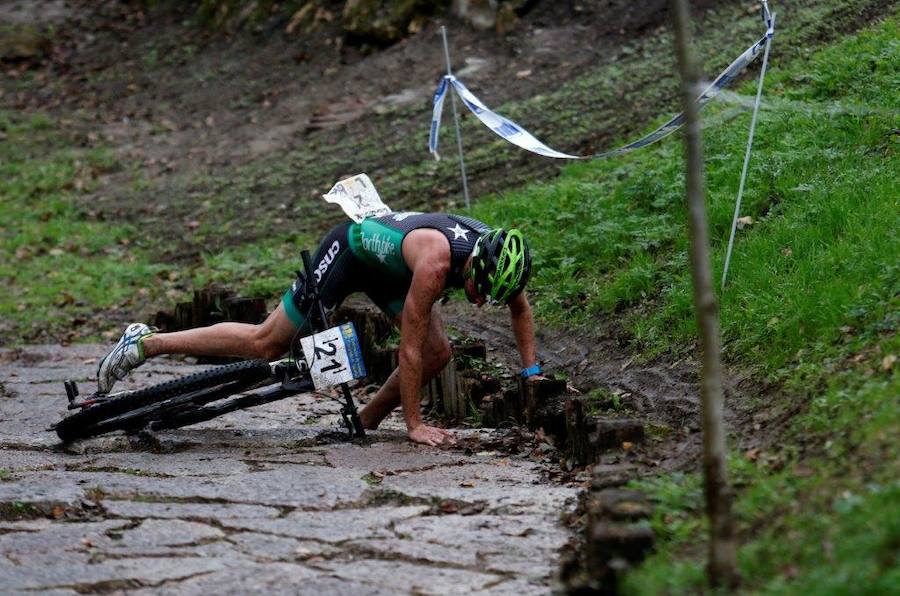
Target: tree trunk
{"points": [[722, 567]]}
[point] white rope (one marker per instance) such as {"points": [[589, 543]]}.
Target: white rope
{"points": [[762, 74]]}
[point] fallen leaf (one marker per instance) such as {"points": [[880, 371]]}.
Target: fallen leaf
{"points": [[523, 74], [752, 455], [887, 363], [467, 484], [744, 221], [627, 445], [58, 512], [449, 507]]}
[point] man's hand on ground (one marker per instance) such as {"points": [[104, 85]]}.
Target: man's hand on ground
{"points": [[431, 435]]}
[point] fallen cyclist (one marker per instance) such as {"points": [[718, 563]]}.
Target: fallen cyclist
{"points": [[403, 262]]}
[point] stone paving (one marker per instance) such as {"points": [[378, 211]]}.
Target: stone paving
{"points": [[263, 499]]}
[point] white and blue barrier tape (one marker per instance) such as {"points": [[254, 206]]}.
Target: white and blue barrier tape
{"points": [[515, 134]]}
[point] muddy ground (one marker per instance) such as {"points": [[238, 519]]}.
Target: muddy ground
{"points": [[204, 120]]}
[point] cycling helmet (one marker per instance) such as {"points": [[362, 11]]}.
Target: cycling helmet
{"points": [[500, 265]]}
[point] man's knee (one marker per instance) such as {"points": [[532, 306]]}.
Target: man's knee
{"points": [[441, 354], [268, 344]]}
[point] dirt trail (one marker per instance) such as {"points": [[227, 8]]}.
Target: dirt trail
{"points": [[664, 393], [260, 500]]}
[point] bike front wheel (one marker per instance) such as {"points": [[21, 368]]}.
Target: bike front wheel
{"points": [[113, 414]]}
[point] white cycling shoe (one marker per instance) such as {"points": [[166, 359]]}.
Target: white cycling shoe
{"points": [[126, 356]]}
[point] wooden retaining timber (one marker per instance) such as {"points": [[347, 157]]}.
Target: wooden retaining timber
{"points": [[210, 306]]}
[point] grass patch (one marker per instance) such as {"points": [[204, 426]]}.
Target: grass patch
{"points": [[821, 524], [265, 268], [60, 261], [63, 264], [817, 264], [812, 304], [602, 401]]}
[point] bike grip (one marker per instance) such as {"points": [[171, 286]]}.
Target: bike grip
{"points": [[307, 262]]}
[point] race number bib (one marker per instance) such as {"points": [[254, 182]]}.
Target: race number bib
{"points": [[334, 356], [358, 198]]}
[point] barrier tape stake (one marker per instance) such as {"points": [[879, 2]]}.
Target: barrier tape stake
{"points": [[740, 195], [462, 162]]}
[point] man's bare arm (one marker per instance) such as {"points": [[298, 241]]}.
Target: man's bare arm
{"points": [[430, 262], [523, 329]]}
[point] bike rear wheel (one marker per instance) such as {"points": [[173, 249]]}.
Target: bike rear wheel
{"points": [[110, 415]]}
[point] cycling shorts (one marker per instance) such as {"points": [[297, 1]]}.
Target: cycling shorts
{"points": [[339, 272]]}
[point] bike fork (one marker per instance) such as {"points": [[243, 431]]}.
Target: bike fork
{"points": [[350, 414]]}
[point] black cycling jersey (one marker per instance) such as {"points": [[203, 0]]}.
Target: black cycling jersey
{"points": [[367, 257]]}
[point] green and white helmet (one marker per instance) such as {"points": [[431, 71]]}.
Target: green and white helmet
{"points": [[501, 265]]}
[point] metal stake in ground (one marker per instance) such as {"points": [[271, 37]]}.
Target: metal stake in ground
{"points": [[770, 23], [462, 162], [722, 550]]}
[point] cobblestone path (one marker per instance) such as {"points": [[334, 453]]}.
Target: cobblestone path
{"points": [[264, 499]]}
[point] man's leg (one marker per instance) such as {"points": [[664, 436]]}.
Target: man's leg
{"points": [[269, 339], [436, 355]]}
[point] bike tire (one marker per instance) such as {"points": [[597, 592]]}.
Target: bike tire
{"points": [[134, 420], [82, 424]]}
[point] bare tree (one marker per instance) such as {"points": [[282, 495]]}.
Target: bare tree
{"points": [[722, 567]]}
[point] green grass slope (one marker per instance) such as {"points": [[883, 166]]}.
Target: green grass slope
{"points": [[810, 308]]}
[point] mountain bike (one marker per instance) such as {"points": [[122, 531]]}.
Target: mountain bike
{"points": [[327, 358]]}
